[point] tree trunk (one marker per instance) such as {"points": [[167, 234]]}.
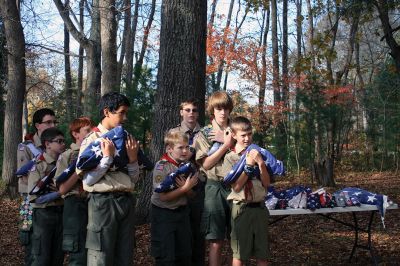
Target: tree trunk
{"points": [[181, 74], [299, 22], [126, 36], [67, 70], [130, 47], [15, 91], [139, 63], [79, 86], [108, 33]]}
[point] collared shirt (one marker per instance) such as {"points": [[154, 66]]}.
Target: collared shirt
{"points": [[202, 145], [63, 162], [252, 191], [161, 170], [184, 128], [24, 155], [43, 167], [111, 181]]}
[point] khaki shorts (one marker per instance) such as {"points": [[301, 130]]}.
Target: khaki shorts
{"points": [[249, 236]]}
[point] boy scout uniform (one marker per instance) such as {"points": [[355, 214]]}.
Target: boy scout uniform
{"points": [[249, 217], [110, 214], [170, 223], [216, 214], [47, 218], [75, 212], [24, 155], [195, 204]]}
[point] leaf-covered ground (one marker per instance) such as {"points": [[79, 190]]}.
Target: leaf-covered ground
{"points": [[297, 240]]}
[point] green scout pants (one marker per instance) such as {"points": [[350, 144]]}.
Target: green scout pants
{"points": [[110, 231], [170, 236], [196, 207], [47, 236], [75, 219]]}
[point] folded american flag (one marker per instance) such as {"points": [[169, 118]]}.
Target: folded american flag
{"points": [[366, 197], [66, 174], [24, 170], [91, 156], [41, 186], [274, 166], [168, 183]]}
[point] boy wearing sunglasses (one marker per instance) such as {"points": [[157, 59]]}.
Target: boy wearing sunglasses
{"points": [[31, 147], [47, 216]]}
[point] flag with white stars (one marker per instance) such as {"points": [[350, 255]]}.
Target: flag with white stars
{"points": [[274, 166], [91, 156], [24, 170], [358, 195], [66, 174], [42, 186], [168, 184]]}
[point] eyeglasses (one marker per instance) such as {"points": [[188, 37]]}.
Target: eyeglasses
{"points": [[190, 110], [50, 122], [59, 141]]}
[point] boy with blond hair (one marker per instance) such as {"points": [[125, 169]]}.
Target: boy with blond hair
{"points": [[170, 223], [216, 214], [249, 214]]}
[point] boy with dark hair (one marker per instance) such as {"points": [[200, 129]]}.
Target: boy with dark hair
{"points": [[28, 150], [75, 198], [110, 234], [216, 214], [249, 214], [170, 224], [189, 126], [47, 217]]}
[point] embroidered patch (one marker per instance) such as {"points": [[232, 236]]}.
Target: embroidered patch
{"points": [[21, 147], [158, 179], [160, 167]]}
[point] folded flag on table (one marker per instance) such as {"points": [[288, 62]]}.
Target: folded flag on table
{"points": [[41, 186], [365, 197], [274, 166], [281, 199], [91, 156], [168, 184], [66, 174]]}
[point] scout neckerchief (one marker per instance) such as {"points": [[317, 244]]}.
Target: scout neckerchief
{"points": [[166, 157]]}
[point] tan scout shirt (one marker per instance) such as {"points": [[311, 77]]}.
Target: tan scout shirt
{"points": [[202, 146], [24, 155], [112, 181], [184, 128], [255, 191], [42, 168], [161, 170], [63, 162]]}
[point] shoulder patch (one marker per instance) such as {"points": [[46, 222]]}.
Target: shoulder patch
{"points": [[158, 179], [160, 166]]}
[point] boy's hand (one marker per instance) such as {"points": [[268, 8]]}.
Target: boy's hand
{"points": [[132, 148], [228, 139], [190, 182], [107, 147], [216, 135], [254, 157]]}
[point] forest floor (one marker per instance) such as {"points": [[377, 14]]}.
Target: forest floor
{"points": [[296, 240]]}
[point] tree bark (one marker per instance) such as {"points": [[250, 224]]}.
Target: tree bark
{"points": [[126, 36], [130, 47], [181, 74], [67, 70], [79, 85], [108, 32], [15, 91]]}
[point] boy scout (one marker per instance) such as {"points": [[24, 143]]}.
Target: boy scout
{"points": [[189, 125], [216, 215], [75, 199], [27, 150], [47, 217], [170, 224], [110, 231], [249, 214]]}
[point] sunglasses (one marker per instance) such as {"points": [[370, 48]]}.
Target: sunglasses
{"points": [[190, 110], [50, 122], [59, 141]]}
